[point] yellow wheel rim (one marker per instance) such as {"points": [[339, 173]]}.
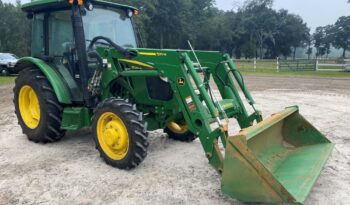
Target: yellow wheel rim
{"points": [[29, 107], [112, 136], [177, 128]]}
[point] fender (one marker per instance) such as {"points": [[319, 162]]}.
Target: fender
{"points": [[61, 90]]}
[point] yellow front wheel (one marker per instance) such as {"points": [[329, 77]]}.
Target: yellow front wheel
{"points": [[112, 136], [120, 133]]}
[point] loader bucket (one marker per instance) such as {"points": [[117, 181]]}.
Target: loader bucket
{"points": [[275, 161]]}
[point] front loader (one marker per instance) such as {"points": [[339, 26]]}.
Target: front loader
{"points": [[87, 70]]}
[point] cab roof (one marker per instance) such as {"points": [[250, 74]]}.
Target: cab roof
{"points": [[45, 5]]}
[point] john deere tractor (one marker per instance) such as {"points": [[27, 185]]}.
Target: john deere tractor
{"points": [[87, 69]]}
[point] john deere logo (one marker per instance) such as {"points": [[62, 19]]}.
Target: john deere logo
{"points": [[181, 81]]}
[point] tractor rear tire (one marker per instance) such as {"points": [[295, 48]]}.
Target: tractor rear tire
{"points": [[182, 134], [121, 134], [38, 111]]}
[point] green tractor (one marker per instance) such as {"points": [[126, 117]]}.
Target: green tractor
{"points": [[87, 69]]}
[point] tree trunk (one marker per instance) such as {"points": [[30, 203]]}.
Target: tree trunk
{"points": [[344, 51], [295, 50]]}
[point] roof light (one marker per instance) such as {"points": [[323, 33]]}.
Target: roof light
{"points": [[79, 2]]}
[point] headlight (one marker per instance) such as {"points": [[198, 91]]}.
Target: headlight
{"points": [[88, 5], [130, 13]]}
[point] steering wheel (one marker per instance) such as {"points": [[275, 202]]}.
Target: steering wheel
{"points": [[98, 42], [126, 52]]}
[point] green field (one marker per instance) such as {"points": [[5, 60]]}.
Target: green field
{"points": [[7, 80]]}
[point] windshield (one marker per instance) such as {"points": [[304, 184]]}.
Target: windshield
{"points": [[8, 56], [113, 24]]}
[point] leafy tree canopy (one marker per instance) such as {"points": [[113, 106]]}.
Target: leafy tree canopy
{"points": [[254, 30]]}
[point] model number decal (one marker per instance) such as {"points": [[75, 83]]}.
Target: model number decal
{"points": [[190, 103]]}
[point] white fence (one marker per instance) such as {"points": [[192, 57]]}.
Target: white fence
{"points": [[342, 67], [281, 65]]}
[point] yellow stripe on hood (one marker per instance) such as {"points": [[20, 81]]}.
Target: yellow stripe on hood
{"points": [[137, 63], [148, 53]]}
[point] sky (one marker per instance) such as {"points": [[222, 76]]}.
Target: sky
{"points": [[314, 12]]}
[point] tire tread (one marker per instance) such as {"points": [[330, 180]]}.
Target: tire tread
{"points": [[136, 127]]}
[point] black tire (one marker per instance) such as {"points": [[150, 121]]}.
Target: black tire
{"points": [[48, 129], [136, 129], [4, 71], [186, 136]]}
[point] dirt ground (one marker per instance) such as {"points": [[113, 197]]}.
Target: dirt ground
{"points": [[71, 171]]}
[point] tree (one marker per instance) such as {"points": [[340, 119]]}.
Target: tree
{"points": [[309, 49], [242, 41], [292, 32], [255, 30], [328, 39], [300, 33], [261, 3], [261, 21], [322, 40], [169, 24], [341, 34], [14, 29]]}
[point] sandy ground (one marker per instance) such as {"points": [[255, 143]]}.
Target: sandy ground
{"points": [[71, 171]]}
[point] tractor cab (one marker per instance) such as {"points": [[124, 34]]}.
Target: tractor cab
{"points": [[55, 42]]}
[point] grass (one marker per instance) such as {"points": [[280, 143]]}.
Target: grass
{"points": [[331, 67], [305, 73], [7, 80]]}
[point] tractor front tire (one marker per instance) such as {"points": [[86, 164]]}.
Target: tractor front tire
{"points": [[120, 133], [38, 111], [179, 132]]}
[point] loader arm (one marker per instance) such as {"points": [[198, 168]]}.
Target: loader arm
{"points": [[202, 117]]}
